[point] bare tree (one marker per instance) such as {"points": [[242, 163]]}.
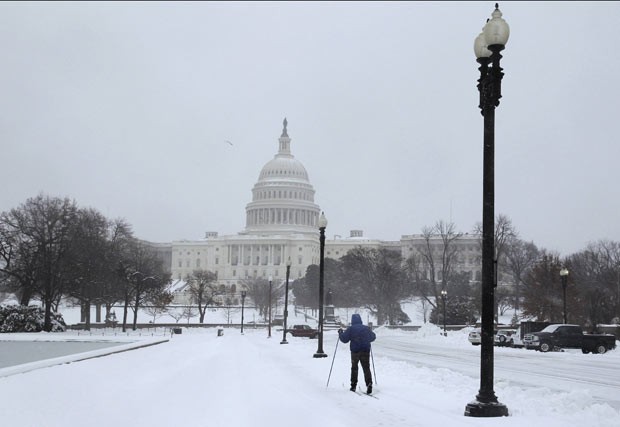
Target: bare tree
{"points": [[432, 268], [88, 267], [505, 232], [230, 304], [36, 244], [378, 278], [204, 290], [258, 292], [120, 240], [144, 277], [542, 290], [177, 313], [594, 283], [188, 312], [519, 258], [18, 264], [159, 304]]}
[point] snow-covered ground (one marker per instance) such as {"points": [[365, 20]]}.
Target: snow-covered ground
{"points": [[200, 378]]}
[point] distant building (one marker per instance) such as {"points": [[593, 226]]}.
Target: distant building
{"points": [[281, 224]]}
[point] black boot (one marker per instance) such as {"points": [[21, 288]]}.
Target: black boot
{"points": [[353, 387], [369, 389]]}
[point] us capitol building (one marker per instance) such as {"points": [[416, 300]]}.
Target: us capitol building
{"points": [[282, 224]]}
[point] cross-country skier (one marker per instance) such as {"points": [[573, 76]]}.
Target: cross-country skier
{"points": [[360, 337]]}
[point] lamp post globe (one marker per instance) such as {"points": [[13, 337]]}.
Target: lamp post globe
{"points": [[564, 276], [288, 273], [487, 47], [243, 295], [496, 31], [322, 226]]}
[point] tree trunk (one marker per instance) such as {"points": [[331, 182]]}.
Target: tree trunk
{"points": [[87, 313], [135, 310], [202, 310], [25, 297], [125, 308], [47, 326]]}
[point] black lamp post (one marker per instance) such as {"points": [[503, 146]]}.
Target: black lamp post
{"points": [[269, 320], [618, 296], [487, 47], [444, 295], [243, 295], [322, 226], [564, 276], [288, 273]]}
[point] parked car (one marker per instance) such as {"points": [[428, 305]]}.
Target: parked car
{"points": [[474, 337], [556, 337], [517, 339], [303, 331], [505, 337]]}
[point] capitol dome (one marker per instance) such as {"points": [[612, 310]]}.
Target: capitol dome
{"points": [[282, 198]]}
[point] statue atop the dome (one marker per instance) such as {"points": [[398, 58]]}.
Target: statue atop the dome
{"points": [[284, 130]]}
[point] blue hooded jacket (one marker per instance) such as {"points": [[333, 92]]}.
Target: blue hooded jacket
{"points": [[359, 334]]}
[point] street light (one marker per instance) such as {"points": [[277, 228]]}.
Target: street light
{"points": [[564, 276], [487, 48], [618, 297], [288, 273], [243, 295], [269, 322], [444, 295], [322, 226]]}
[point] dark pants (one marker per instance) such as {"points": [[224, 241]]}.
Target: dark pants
{"points": [[362, 357]]}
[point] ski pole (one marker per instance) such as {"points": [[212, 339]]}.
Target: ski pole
{"points": [[334, 358], [373, 365]]}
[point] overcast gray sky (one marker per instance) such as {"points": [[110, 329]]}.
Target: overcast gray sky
{"points": [[126, 107]]}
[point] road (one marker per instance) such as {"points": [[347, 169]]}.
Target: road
{"points": [[563, 371]]}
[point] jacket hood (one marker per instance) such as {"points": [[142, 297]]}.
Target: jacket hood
{"points": [[356, 319]]}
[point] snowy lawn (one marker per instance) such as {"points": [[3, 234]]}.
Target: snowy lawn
{"points": [[198, 378]]}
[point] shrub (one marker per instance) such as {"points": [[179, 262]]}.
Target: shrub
{"points": [[19, 318]]}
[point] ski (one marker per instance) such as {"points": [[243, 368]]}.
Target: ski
{"points": [[359, 393]]}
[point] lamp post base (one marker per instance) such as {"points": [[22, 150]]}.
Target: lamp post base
{"points": [[319, 355], [479, 409]]}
